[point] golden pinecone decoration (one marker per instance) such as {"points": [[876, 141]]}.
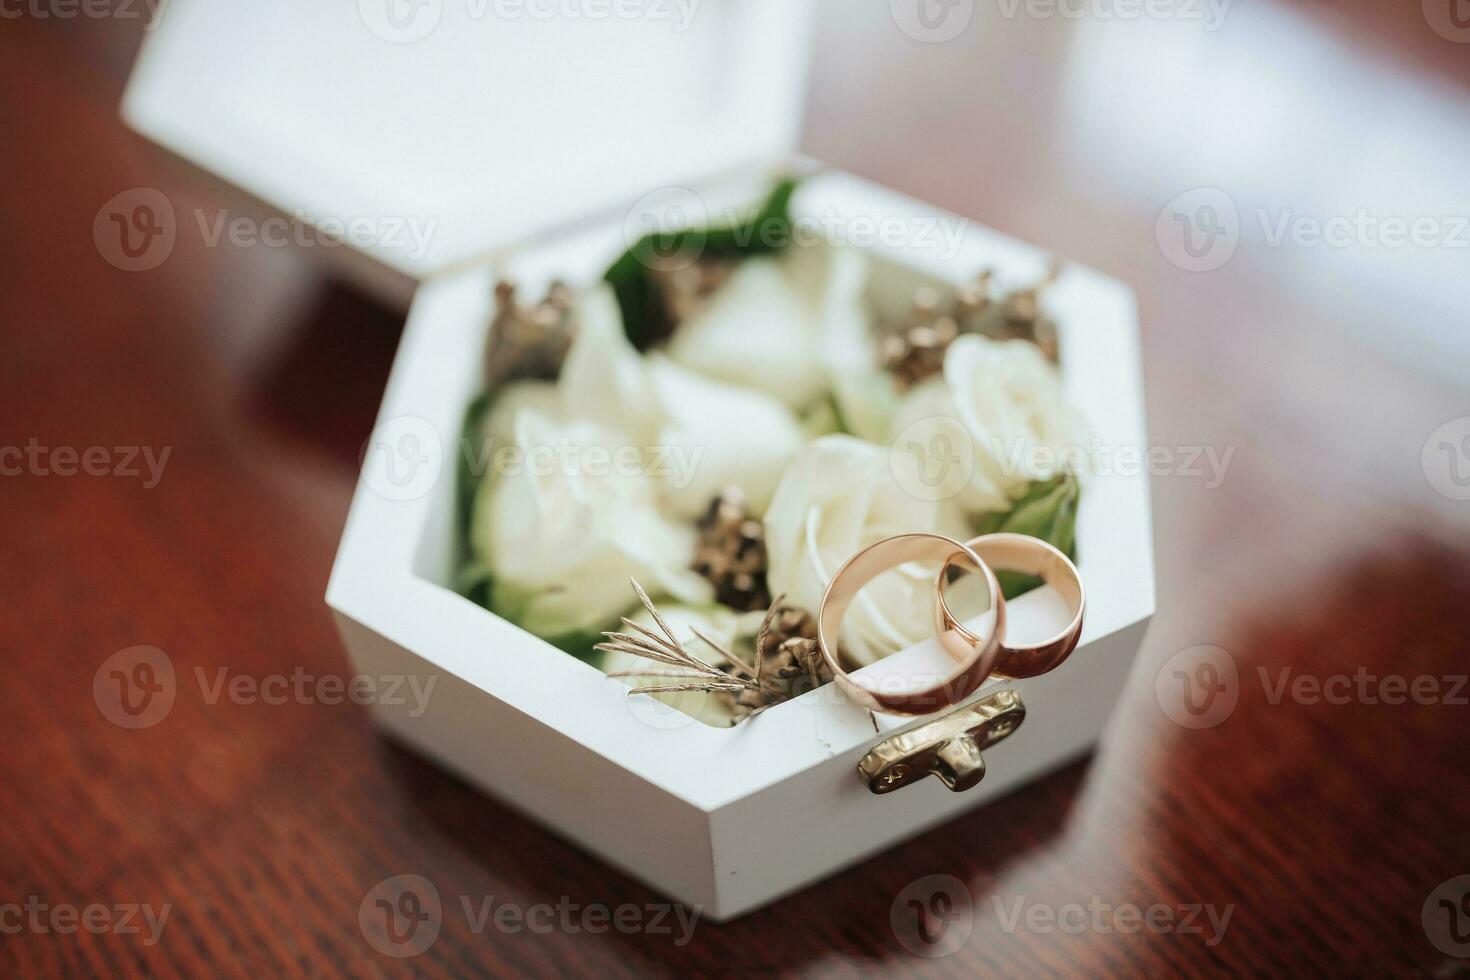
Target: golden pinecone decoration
{"points": [[790, 651], [529, 342], [915, 351], [789, 660], [744, 702], [1019, 316], [732, 553], [973, 303], [783, 648], [1023, 319]]}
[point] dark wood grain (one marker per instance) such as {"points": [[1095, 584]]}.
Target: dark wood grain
{"points": [[1323, 828]]}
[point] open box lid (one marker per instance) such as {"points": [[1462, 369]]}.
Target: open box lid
{"points": [[450, 129]]}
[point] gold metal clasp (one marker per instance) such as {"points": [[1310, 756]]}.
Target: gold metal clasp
{"points": [[949, 747]]}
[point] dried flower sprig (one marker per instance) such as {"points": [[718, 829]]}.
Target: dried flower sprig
{"points": [[754, 686]]}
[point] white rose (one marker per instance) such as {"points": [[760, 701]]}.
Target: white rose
{"points": [[784, 325], [840, 496], [562, 520], [1009, 399], [603, 379], [716, 435], [863, 394], [754, 332], [562, 534], [698, 435], [498, 427]]}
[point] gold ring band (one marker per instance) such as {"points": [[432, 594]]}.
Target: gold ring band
{"points": [[1030, 556], [977, 658]]}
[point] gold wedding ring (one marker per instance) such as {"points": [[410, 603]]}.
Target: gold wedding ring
{"points": [[1030, 556], [976, 657]]}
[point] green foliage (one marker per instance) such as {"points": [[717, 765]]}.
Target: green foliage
{"points": [[473, 579], [477, 584], [631, 276], [466, 480], [1048, 510]]}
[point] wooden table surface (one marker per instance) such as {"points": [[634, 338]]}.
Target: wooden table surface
{"points": [[1322, 826]]}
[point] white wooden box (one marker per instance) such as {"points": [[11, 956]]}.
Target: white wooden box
{"points": [[675, 803]]}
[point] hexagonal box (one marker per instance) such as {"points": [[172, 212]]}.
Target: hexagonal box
{"points": [[686, 807]]}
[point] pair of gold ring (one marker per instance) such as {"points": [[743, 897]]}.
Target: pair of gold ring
{"points": [[977, 657]]}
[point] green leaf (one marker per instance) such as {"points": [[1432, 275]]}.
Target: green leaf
{"points": [[1047, 510], [513, 603], [466, 480], [477, 584], [821, 418], [472, 579], [631, 276]]}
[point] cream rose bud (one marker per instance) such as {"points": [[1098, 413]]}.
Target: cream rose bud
{"points": [[603, 379], [945, 458], [715, 622], [778, 324], [835, 279], [715, 436], [756, 332], [562, 534], [841, 495], [1011, 399], [694, 435], [497, 427], [1008, 398]]}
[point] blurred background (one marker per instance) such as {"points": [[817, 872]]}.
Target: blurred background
{"points": [[1283, 184]]}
